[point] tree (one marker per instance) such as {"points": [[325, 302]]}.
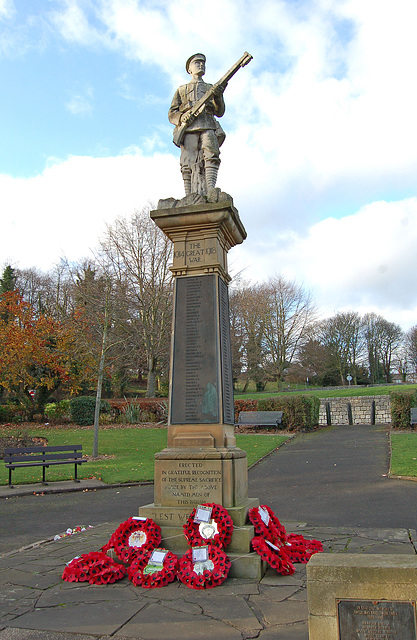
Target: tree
{"points": [[341, 334], [37, 354], [288, 314], [391, 342], [8, 280], [139, 255], [383, 342], [102, 308], [247, 332], [411, 347], [316, 364]]}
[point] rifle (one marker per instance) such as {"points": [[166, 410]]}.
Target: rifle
{"points": [[198, 108]]}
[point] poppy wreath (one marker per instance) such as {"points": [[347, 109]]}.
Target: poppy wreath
{"points": [[299, 549], [209, 578], [134, 537], [273, 531], [157, 579], [277, 558], [224, 527], [95, 567]]}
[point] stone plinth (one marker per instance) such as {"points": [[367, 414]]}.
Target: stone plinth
{"points": [[201, 463], [202, 236], [359, 582]]}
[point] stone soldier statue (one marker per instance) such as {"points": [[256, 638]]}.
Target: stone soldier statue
{"points": [[202, 134]]}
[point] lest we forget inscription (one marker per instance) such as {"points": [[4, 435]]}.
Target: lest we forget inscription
{"points": [[376, 620], [202, 384]]}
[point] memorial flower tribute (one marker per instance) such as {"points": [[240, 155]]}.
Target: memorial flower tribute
{"points": [[266, 524], [204, 567], [209, 524], [94, 567], [278, 548], [275, 556], [134, 537], [153, 569]]}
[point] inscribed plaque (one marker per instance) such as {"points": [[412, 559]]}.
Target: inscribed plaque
{"points": [[226, 354], [376, 620], [195, 371], [190, 482]]}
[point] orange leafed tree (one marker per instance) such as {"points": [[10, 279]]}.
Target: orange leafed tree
{"points": [[37, 353]]}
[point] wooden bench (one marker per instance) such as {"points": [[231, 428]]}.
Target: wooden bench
{"points": [[15, 457], [260, 419], [413, 415]]}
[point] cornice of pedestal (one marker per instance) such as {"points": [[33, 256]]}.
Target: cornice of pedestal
{"points": [[221, 216]]}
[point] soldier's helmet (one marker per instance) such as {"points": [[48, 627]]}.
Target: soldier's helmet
{"points": [[198, 56]]}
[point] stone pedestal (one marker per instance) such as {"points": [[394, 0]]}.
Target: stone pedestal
{"points": [[364, 596], [201, 462]]}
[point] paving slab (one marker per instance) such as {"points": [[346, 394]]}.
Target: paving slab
{"points": [[33, 634], [159, 623], [94, 618]]}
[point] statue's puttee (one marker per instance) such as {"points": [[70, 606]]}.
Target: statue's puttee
{"points": [[197, 132]]}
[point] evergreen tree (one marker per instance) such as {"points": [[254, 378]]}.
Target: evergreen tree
{"points": [[8, 281]]}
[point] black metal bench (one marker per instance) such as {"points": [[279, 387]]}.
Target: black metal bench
{"points": [[259, 419], [413, 415], [15, 457]]}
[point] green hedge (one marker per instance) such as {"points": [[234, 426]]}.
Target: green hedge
{"points": [[299, 412], [401, 403], [82, 409]]}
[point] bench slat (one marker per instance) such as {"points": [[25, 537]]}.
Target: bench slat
{"points": [[35, 449], [42, 457], [20, 465]]}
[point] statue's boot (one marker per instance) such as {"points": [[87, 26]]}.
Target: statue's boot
{"points": [[211, 177], [186, 176]]}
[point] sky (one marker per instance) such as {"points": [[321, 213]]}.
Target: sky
{"points": [[321, 149]]}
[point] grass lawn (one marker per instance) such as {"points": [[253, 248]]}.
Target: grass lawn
{"points": [[332, 393], [132, 452], [404, 454]]}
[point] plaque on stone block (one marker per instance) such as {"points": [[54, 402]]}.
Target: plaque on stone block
{"points": [[202, 381], [226, 354], [376, 620], [190, 482]]}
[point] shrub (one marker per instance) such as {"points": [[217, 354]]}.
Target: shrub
{"points": [[13, 413], [299, 412], [82, 409], [6, 413], [401, 403], [57, 410], [140, 410], [133, 413], [245, 405]]}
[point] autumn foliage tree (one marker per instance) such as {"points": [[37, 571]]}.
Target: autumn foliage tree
{"points": [[37, 354]]}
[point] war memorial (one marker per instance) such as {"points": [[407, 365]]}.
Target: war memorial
{"points": [[201, 463]]}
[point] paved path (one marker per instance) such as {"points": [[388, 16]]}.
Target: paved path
{"points": [[336, 477], [334, 480]]}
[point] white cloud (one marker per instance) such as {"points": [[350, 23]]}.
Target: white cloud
{"points": [[364, 261], [63, 211], [81, 104], [7, 9]]}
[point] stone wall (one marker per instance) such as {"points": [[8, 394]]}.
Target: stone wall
{"points": [[355, 410]]}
